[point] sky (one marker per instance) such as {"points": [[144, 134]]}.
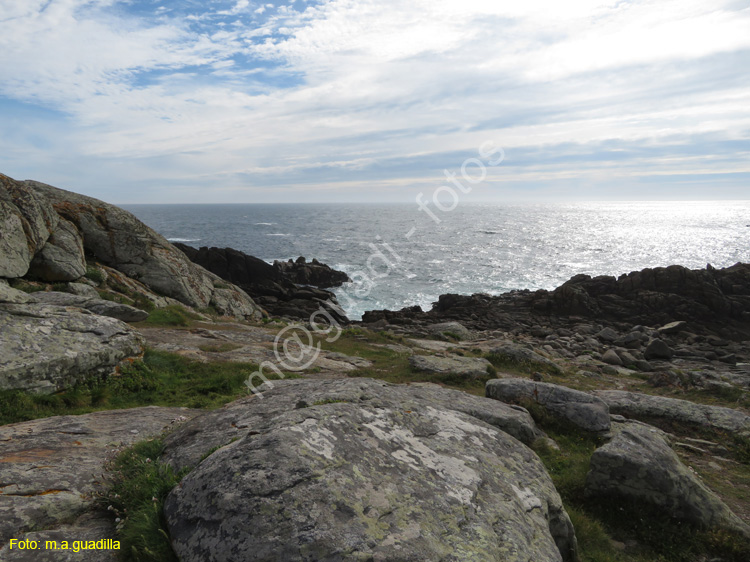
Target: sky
{"points": [[237, 101]]}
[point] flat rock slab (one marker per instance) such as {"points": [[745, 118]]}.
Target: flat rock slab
{"points": [[432, 345], [471, 367], [639, 464], [579, 408], [123, 312], [51, 468], [45, 348], [380, 475], [637, 405], [520, 354]]}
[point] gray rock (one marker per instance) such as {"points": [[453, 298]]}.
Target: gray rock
{"points": [[26, 220], [375, 478], [607, 335], [520, 354], [579, 408], [62, 257], [186, 446], [611, 357], [46, 348], [453, 328], [643, 365], [462, 366], [50, 469], [83, 290], [673, 327], [639, 464], [97, 305], [631, 341], [644, 406], [118, 239], [658, 349], [13, 296]]}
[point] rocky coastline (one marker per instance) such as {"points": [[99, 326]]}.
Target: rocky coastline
{"points": [[556, 426]]}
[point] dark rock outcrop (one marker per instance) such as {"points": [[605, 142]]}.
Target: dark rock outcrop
{"points": [[314, 273], [267, 284], [362, 470], [708, 300]]}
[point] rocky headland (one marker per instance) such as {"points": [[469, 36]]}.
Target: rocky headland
{"points": [[606, 420]]}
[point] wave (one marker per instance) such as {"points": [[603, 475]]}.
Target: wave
{"points": [[277, 234], [265, 223], [184, 239]]}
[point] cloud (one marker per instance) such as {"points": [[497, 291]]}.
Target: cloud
{"points": [[342, 90]]}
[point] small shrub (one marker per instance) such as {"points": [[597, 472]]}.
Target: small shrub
{"points": [[94, 274]]}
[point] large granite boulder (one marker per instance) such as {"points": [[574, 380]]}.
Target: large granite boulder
{"points": [[116, 238], [45, 348], [185, 447], [646, 407], [372, 477], [51, 470], [26, 221], [573, 406], [639, 464], [62, 258]]}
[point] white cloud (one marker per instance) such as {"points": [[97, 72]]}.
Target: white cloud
{"points": [[352, 84]]}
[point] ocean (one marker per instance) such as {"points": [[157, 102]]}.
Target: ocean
{"points": [[400, 256]]}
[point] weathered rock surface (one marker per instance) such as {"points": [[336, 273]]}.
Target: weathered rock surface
{"points": [[186, 446], [389, 478], [646, 407], [46, 348], [26, 221], [48, 230], [520, 354], [302, 272], [451, 329], [267, 284], [579, 408], [97, 305], [51, 468], [62, 258], [639, 464], [470, 367]]}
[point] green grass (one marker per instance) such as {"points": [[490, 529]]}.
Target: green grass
{"points": [[162, 379], [173, 315], [219, 347], [392, 366], [94, 274], [139, 486]]}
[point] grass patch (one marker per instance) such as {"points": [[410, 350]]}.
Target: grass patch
{"points": [[219, 347], [26, 287], [94, 274], [173, 315], [513, 365], [161, 379], [139, 486]]}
